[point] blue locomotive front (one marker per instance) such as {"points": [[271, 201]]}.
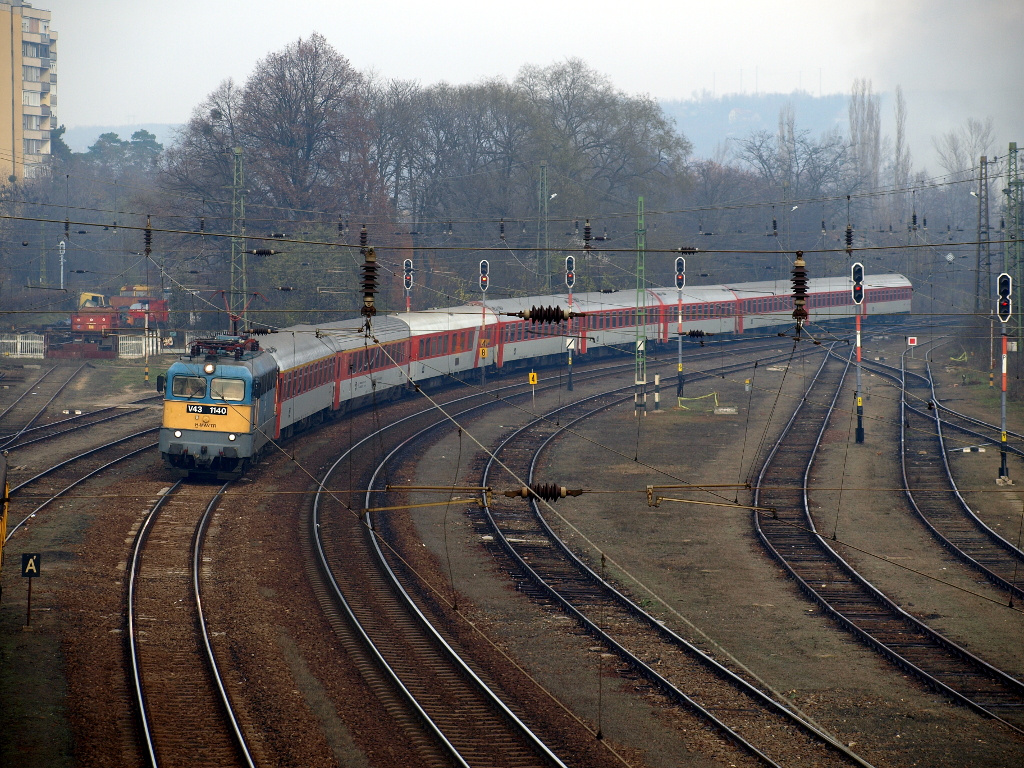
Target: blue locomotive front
{"points": [[218, 405]]}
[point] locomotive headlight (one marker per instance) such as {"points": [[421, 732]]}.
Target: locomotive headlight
{"points": [[209, 368], [177, 433], [231, 438]]}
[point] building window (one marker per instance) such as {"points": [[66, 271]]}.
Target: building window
{"points": [[34, 146], [30, 98]]}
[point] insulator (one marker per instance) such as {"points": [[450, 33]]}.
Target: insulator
{"points": [[67, 228], [449, 228], [849, 236], [822, 226], [586, 234], [576, 228], [547, 314], [148, 237], [775, 228], [341, 227], [924, 222], [913, 220], [799, 287], [202, 224], [697, 334], [363, 238], [369, 281], [260, 331], [545, 491], [501, 229]]}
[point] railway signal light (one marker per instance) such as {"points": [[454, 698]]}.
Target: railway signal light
{"points": [[857, 272], [680, 272], [407, 279], [1004, 304], [570, 271], [485, 268]]}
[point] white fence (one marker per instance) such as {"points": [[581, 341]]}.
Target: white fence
{"points": [[22, 345], [139, 346]]}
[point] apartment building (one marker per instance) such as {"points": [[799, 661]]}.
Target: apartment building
{"points": [[28, 90]]}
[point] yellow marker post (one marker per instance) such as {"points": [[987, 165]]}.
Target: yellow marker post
{"points": [[533, 388]]}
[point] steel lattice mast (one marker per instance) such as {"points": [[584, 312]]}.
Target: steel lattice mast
{"points": [[983, 256], [239, 276], [1013, 253]]}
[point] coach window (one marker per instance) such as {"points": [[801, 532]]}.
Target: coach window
{"points": [[228, 389], [188, 386]]}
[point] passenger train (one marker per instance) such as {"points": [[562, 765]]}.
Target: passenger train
{"points": [[230, 396]]}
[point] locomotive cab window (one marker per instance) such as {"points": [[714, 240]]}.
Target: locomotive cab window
{"points": [[188, 386], [228, 389]]}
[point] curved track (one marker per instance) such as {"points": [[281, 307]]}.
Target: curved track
{"points": [[859, 607], [543, 565], [931, 489]]}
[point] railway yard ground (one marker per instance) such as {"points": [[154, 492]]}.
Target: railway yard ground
{"points": [[65, 700]]}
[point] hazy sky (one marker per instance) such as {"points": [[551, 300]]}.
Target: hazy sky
{"points": [[142, 61]]}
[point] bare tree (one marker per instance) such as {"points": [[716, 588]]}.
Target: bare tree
{"points": [[865, 133], [901, 163]]}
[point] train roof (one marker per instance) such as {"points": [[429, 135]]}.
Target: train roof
{"points": [[597, 301], [301, 344], [441, 319]]}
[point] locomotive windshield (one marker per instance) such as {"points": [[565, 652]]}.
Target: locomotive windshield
{"points": [[227, 389], [188, 386]]}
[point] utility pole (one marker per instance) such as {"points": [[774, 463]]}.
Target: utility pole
{"points": [[983, 256], [239, 276], [640, 367]]}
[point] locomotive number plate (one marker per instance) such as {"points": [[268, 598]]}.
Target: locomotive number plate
{"points": [[215, 410]]}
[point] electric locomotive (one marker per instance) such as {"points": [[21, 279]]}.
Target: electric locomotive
{"points": [[219, 406]]}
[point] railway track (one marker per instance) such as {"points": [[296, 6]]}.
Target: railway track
{"points": [[31, 496], [63, 427], [545, 567], [20, 415], [792, 539], [413, 669], [370, 604], [184, 711], [931, 489]]}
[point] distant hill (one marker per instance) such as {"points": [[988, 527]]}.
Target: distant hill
{"points": [[81, 137], [712, 121]]}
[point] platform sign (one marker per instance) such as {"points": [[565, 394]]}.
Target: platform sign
{"points": [[30, 570], [30, 565], [911, 341]]}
